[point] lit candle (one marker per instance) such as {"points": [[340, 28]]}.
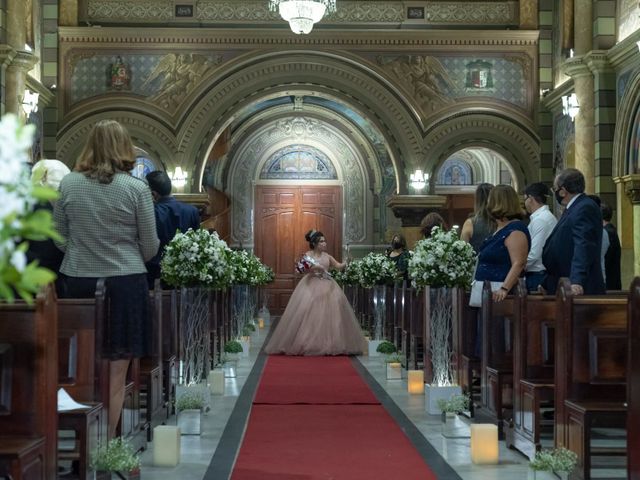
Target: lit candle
{"points": [[260, 322], [166, 446], [415, 381], [484, 443], [216, 382]]}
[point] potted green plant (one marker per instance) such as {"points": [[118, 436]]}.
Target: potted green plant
{"points": [[232, 351], [393, 363], [386, 348], [559, 460], [189, 406], [117, 456], [450, 408]]}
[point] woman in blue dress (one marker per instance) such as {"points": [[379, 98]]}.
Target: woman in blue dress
{"points": [[503, 255]]}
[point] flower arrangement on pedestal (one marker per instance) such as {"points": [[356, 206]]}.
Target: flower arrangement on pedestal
{"points": [[349, 276], [198, 262], [442, 262], [376, 269], [197, 258], [248, 272], [18, 219]]}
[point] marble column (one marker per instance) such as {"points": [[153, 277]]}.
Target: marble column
{"points": [[583, 85], [583, 26], [6, 55], [22, 62], [411, 209]]}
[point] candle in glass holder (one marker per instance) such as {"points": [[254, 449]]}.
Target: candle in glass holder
{"points": [[415, 381], [484, 443], [260, 322]]}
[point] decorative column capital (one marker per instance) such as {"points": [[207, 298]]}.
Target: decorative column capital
{"points": [[631, 185], [411, 209], [6, 55], [576, 67], [598, 61], [23, 60]]}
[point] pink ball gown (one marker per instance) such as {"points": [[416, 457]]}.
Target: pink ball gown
{"points": [[318, 320]]}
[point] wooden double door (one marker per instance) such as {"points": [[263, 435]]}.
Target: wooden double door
{"points": [[283, 215]]}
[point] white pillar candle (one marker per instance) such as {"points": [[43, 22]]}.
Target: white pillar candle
{"points": [[166, 446], [216, 382], [484, 443], [415, 381]]}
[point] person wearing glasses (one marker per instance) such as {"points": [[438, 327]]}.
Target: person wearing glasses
{"points": [[573, 248], [541, 224]]}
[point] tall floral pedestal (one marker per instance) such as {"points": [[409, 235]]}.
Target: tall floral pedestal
{"points": [[378, 315], [195, 355], [244, 306]]}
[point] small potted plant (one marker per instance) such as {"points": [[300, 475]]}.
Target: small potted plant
{"points": [[394, 366], [450, 409], [559, 460], [232, 351], [381, 347], [189, 406], [117, 456]]}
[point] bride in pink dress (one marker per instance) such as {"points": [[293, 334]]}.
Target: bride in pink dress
{"points": [[318, 319]]}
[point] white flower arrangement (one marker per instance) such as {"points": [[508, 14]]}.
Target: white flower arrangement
{"points": [[442, 260], [248, 269], [19, 221], [197, 258], [376, 269], [350, 275]]}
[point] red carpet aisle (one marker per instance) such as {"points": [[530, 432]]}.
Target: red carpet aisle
{"points": [[315, 418]]}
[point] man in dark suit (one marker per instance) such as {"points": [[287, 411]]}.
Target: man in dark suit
{"points": [[612, 256], [171, 215], [573, 248]]}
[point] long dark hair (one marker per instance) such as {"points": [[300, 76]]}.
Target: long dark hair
{"points": [[313, 237]]}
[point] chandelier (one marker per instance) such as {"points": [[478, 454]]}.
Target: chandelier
{"points": [[302, 14]]}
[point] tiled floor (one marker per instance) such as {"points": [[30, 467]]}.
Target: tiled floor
{"points": [[197, 451]]}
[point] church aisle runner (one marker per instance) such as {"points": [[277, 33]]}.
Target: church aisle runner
{"points": [[313, 381], [329, 425]]}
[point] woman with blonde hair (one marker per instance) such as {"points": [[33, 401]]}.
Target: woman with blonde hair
{"points": [[503, 256], [106, 219], [479, 225]]}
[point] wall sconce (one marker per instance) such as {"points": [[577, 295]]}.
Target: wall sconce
{"points": [[418, 180], [178, 178], [570, 105], [30, 102]]}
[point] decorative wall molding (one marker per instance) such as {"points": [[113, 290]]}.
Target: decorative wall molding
{"points": [[353, 39], [380, 12]]}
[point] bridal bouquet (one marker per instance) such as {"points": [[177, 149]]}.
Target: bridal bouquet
{"points": [[304, 263], [442, 260], [197, 258]]}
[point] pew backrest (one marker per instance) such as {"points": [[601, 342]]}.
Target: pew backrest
{"points": [[633, 382]]}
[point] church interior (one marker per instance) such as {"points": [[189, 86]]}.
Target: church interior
{"points": [[356, 123]]}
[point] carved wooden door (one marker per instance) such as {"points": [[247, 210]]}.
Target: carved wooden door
{"points": [[283, 215]]}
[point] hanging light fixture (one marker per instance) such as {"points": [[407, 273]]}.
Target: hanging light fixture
{"points": [[302, 14], [418, 180], [570, 106]]}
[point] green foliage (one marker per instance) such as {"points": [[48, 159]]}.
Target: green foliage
{"points": [[376, 269], [233, 346], [455, 404], [190, 400], [556, 460], [116, 456], [350, 275], [386, 348], [248, 269], [247, 329], [393, 358], [20, 221]]}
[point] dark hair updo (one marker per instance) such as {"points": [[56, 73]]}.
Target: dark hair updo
{"points": [[313, 237]]}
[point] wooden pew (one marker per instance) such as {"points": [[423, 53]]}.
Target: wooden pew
{"points": [[28, 385], [398, 314], [465, 345], [590, 372], [416, 333], [633, 382], [533, 369], [496, 381]]}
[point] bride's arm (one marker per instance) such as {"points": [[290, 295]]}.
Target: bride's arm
{"points": [[333, 263]]}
